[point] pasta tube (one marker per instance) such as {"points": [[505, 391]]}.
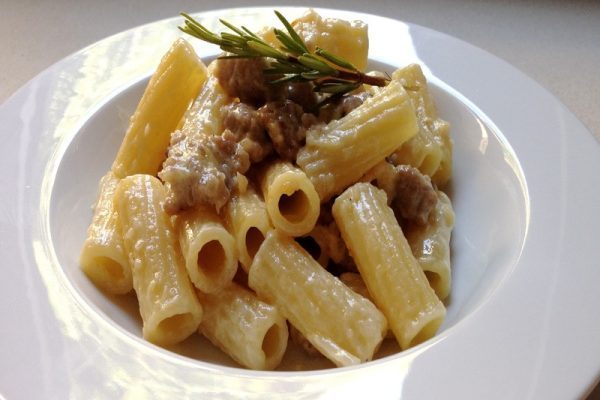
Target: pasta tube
{"points": [[168, 304], [430, 244], [346, 39], [197, 170], [344, 326], [292, 202], [247, 218], [103, 258], [169, 93], [338, 154], [430, 150], [251, 331], [384, 259], [208, 249], [355, 282], [205, 116]]}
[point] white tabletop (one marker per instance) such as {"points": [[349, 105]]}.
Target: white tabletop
{"points": [[557, 43]]}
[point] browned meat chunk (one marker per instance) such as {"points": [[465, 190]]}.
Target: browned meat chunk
{"points": [[409, 192], [244, 78], [201, 169], [342, 107], [301, 93], [415, 195], [286, 124], [243, 121]]}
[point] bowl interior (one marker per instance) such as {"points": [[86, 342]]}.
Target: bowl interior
{"points": [[488, 191]]}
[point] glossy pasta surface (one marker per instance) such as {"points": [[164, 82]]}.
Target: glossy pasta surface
{"points": [[391, 273], [169, 307], [266, 216], [344, 326], [103, 257], [251, 331]]}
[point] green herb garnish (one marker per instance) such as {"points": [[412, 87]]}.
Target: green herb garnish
{"points": [[291, 62]]}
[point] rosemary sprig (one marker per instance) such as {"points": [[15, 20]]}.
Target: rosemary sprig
{"points": [[291, 62]]}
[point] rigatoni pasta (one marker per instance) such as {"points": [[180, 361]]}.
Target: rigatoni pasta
{"points": [[247, 218], [208, 249], [344, 326], [430, 150], [393, 276], [292, 201], [205, 116], [168, 95], [338, 154], [355, 282], [103, 257], [268, 218], [168, 304], [347, 39], [251, 331], [430, 245], [188, 161]]}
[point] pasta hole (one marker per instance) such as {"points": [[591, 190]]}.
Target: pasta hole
{"points": [[254, 238], [211, 258], [309, 244], [270, 343], [112, 268], [175, 323], [293, 208]]}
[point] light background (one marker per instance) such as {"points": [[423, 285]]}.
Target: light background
{"points": [[557, 43]]}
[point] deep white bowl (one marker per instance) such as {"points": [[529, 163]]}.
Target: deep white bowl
{"points": [[521, 313]]}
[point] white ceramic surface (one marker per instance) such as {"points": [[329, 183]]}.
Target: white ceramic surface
{"points": [[521, 323]]}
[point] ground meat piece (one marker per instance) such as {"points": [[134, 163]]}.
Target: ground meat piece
{"points": [[342, 107], [286, 124], [352, 101], [244, 78], [229, 154], [410, 193], [201, 169], [301, 93], [415, 195], [243, 121]]}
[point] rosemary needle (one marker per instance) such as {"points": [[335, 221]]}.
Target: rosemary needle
{"points": [[292, 62]]}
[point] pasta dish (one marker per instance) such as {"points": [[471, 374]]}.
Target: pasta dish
{"points": [[280, 193]]}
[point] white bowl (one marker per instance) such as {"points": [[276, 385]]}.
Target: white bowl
{"points": [[523, 247]]}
